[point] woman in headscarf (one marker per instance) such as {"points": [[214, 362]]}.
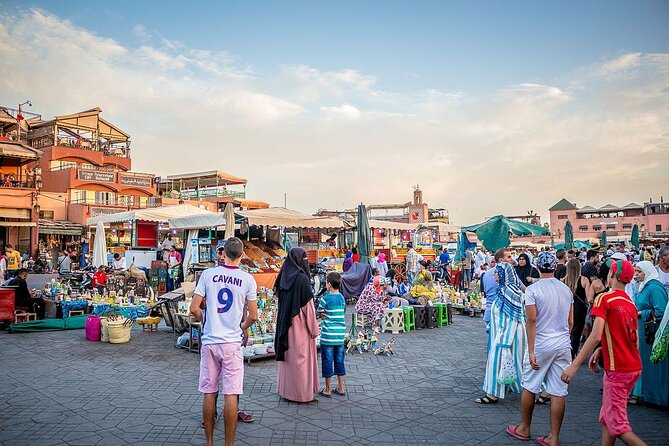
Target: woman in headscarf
{"points": [[382, 265], [651, 301], [422, 288], [348, 261], [296, 330], [393, 290], [507, 338], [525, 271], [372, 300]]}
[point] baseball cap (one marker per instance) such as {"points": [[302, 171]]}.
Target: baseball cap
{"points": [[546, 261], [618, 256], [220, 245], [623, 270]]}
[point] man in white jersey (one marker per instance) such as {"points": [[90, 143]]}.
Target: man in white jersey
{"points": [[550, 316], [223, 291]]}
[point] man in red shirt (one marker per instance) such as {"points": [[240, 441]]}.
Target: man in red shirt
{"points": [[616, 326], [100, 279]]}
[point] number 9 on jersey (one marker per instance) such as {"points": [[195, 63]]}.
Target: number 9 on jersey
{"points": [[225, 298]]}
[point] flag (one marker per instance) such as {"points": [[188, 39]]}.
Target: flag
{"points": [[19, 117]]}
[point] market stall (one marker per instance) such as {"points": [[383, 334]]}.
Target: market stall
{"points": [[144, 224]]}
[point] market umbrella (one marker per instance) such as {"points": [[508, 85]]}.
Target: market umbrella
{"points": [[494, 233], [578, 244], [100, 246], [635, 236], [229, 214], [602, 241], [568, 236], [363, 234]]}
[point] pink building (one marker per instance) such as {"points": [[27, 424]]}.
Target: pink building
{"points": [[618, 221]]}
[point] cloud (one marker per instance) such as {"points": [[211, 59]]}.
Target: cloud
{"points": [[333, 138]]}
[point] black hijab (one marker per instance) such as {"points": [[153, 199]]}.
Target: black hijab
{"points": [[293, 289], [526, 271]]}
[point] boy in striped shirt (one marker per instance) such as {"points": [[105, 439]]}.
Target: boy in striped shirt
{"points": [[332, 309]]}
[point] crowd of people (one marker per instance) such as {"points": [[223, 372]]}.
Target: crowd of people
{"points": [[548, 312]]}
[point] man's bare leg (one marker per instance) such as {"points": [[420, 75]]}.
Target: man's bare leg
{"points": [[230, 419], [208, 410], [527, 399], [557, 415]]}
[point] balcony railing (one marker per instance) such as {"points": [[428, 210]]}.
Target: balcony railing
{"points": [[121, 150], [25, 184], [204, 192], [135, 203]]}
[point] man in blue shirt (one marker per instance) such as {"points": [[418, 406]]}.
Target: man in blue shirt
{"points": [[444, 260]]}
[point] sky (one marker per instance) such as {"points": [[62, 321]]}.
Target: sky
{"points": [[492, 107]]}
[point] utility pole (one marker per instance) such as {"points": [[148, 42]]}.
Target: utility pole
{"points": [[285, 200]]}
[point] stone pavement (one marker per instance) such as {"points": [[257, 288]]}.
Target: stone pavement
{"points": [[58, 389]]}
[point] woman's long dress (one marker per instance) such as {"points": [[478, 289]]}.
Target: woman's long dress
{"points": [[507, 334], [653, 385], [298, 374]]}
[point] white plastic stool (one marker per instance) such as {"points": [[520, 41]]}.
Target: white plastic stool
{"points": [[393, 320], [361, 320]]}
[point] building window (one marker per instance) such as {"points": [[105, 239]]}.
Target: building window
{"points": [[596, 227], [610, 226], [104, 198], [562, 217], [46, 215], [658, 228], [583, 228], [627, 226], [78, 196], [61, 165]]}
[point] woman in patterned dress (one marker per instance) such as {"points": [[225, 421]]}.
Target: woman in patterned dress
{"points": [[372, 301]]}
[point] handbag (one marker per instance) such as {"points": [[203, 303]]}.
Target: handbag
{"points": [[650, 328], [507, 371]]}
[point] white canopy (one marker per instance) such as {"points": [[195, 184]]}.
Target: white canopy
{"points": [[289, 219], [383, 224], [164, 213], [210, 220]]}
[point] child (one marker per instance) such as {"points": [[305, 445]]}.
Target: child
{"points": [[615, 313], [332, 309]]}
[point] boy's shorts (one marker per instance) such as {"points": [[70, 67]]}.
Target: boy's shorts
{"points": [[551, 367], [332, 354], [222, 363], [617, 387]]}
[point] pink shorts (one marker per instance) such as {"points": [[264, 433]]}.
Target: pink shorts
{"points": [[222, 363], [617, 387]]}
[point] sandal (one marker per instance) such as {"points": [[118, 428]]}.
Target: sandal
{"points": [[337, 392], [486, 400], [543, 399], [542, 441], [245, 418], [511, 430], [326, 395]]}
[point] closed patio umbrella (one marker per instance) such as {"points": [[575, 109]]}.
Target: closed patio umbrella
{"points": [[568, 236], [363, 234], [635, 236], [100, 246]]}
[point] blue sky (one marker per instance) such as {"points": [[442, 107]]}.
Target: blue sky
{"points": [[449, 45], [441, 93]]}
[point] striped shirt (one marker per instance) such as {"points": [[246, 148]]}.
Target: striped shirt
{"points": [[333, 326]]}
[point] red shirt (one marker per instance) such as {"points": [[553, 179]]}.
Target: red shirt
{"points": [[99, 278], [619, 340], [356, 258]]}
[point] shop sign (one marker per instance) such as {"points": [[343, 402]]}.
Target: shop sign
{"points": [[96, 175], [130, 180], [96, 212]]}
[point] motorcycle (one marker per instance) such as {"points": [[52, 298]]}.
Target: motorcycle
{"points": [[39, 266], [79, 280], [319, 274]]}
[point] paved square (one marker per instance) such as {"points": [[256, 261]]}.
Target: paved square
{"points": [[59, 389]]}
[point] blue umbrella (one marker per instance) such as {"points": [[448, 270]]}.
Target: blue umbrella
{"points": [[363, 234]]}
